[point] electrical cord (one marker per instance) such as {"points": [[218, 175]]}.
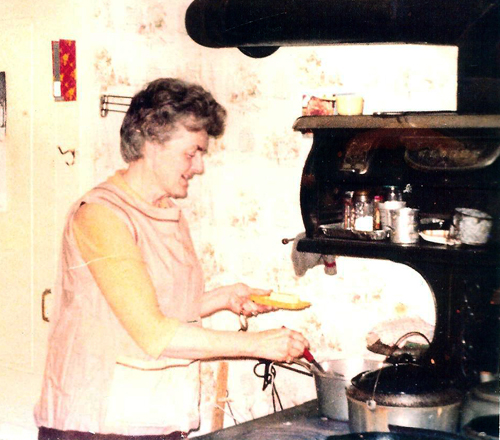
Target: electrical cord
{"points": [[269, 377]]}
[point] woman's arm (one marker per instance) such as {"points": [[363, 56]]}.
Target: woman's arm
{"points": [[191, 342], [116, 263]]}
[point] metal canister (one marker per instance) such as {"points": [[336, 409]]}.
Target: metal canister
{"points": [[363, 211], [404, 227]]}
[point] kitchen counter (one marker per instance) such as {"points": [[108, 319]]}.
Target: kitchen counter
{"points": [[299, 422]]}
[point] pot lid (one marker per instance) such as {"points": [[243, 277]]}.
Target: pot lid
{"points": [[401, 379]]}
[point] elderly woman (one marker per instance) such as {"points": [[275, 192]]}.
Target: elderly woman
{"points": [[124, 351]]}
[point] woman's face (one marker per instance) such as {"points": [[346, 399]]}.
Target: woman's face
{"points": [[176, 161]]}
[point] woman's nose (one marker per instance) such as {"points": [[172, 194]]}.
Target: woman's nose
{"points": [[198, 166]]}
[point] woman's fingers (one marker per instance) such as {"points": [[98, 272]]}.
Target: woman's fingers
{"points": [[249, 308], [283, 345], [240, 303]]}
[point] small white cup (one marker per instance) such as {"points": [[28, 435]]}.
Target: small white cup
{"points": [[349, 105]]}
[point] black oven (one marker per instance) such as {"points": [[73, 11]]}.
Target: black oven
{"points": [[440, 162]]}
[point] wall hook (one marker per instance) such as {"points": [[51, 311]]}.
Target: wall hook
{"points": [[72, 152], [114, 103]]}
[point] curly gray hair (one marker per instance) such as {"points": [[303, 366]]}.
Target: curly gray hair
{"points": [[156, 110]]}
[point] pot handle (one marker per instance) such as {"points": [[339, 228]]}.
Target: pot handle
{"points": [[406, 336], [313, 371], [371, 403], [309, 372], [301, 363]]}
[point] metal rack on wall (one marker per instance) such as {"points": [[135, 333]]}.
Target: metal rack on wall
{"points": [[114, 103]]}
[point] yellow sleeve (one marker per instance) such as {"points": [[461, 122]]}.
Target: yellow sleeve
{"points": [[115, 261]]}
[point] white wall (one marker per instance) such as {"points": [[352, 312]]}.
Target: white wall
{"points": [[248, 200]]}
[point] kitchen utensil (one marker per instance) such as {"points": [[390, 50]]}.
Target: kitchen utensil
{"points": [[331, 383], [404, 225], [471, 226], [385, 210], [310, 358], [407, 395], [482, 400], [404, 393]]}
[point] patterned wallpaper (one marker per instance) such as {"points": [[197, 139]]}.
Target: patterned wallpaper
{"points": [[248, 199]]}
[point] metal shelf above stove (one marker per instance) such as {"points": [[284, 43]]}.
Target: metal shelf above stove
{"points": [[398, 120], [488, 255]]}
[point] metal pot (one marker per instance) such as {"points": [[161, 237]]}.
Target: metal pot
{"points": [[332, 383], [404, 394], [471, 226]]}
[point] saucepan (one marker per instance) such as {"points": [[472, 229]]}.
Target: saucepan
{"points": [[332, 379]]}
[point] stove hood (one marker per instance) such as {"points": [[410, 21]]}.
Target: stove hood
{"points": [[259, 27]]}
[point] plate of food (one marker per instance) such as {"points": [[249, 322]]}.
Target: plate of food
{"points": [[439, 236], [288, 301]]}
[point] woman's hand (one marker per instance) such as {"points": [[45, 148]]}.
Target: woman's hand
{"points": [[281, 345], [239, 302], [193, 342]]}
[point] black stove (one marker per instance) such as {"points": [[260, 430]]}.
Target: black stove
{"points": [[441, 161], [302, 422]]}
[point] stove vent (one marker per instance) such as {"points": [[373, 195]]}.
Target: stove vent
{"points": [[259, 27]]}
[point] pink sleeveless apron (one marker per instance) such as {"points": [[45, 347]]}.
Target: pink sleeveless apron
{"points": [[97, 379]]}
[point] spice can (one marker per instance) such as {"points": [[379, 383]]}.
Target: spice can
{"points": [[363, 211]]}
